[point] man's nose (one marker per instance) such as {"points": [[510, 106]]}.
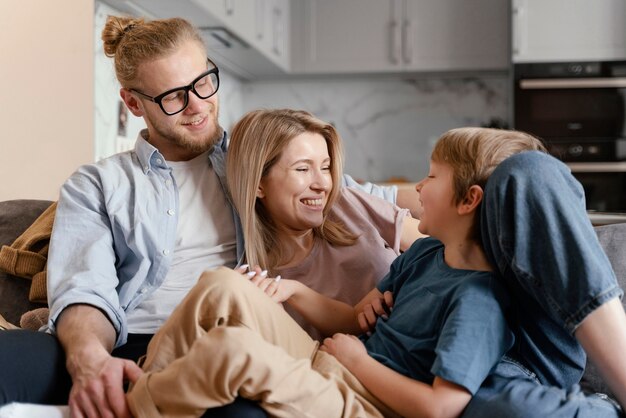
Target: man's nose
{"points": [[194, 103]]}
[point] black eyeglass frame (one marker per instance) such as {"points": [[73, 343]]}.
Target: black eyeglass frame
{"points": [[190, 87]]}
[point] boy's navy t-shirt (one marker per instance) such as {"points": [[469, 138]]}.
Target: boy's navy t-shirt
{"points": [[445, 322]]}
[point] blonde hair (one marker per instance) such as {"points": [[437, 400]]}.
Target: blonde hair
{"points": [[473, 154], [256, 144], [133, 41]]}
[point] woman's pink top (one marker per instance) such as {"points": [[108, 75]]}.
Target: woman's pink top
{"points": [[349, 273]]}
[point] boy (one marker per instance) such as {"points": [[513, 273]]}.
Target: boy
{"points": [[428, 355]]}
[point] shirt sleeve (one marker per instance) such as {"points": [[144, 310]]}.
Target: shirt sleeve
{"points": [[475, 335], [387, 193], [81, 260], [385, 217]]}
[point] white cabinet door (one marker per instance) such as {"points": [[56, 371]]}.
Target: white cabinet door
{"points": [[568, 30], [239, 15], [455, 35], [349, 35], [278, 19], [404, 35]]}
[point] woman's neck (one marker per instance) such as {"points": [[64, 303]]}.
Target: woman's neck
{"points": [[295, 246]]}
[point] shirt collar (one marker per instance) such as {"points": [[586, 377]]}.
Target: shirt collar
{"points": [[149, 155]]}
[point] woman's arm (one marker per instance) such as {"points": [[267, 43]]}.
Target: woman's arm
{"points": [[329, 316], [409, 233], [404, 395]]}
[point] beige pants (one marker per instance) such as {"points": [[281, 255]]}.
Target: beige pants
{"points": [[226, 339]]}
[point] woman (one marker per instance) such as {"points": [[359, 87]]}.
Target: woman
{"points": [[284, 173]]}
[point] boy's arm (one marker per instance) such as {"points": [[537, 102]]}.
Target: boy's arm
{"points": [[404, 395], [329, 316]]}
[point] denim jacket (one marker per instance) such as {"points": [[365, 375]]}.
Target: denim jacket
{"points": [[115, 230]]}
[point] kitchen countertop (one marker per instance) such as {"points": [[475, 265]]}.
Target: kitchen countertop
{"points": [[605, 218]]}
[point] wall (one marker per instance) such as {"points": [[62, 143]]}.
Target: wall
{"points": [[389, 125], [46, 86]]}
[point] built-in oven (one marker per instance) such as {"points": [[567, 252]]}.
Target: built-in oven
{"points": [[579, 110]]}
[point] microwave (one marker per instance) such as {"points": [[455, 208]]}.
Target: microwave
{"points": [[577, 108]]}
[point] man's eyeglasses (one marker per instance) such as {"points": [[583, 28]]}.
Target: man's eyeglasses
{"points": [[176, 100]]}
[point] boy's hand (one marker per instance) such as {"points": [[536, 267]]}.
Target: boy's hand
{"points": [[346, 348], [379, 307]]}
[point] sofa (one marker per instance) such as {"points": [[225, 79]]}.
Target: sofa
{"points": [[17, 215]]}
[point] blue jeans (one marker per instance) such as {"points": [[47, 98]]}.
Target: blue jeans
{"points": [[536, 232], [512, 391]]}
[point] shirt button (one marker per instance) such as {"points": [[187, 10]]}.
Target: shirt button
{"points": [[168, 182], [144, 290], [166, 252], [171, 212], [159, 161]]}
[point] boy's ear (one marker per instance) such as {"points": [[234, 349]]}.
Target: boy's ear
{"points": [[132, 103], [472, 199]]}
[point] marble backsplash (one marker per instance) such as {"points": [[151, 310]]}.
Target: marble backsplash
{"points": [[388, 124]]}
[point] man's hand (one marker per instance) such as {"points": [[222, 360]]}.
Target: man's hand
{"points": [[98, 386], [378, 307], [98, 378], [346, 348]]}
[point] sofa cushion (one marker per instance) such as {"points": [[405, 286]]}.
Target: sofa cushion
{"points": [[15, 217]]}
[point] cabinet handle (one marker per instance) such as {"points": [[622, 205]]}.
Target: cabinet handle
{"points": [[260, 18], [573, 83], [407, 42], [518, 10], [278, 31], [229, 6], [394, 42]]}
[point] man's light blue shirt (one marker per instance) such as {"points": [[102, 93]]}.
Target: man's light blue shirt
{"points": [[115, 230]]}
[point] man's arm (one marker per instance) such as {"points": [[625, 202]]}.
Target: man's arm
{"points": [[403, 195], [408, 198], [603, 336], [407, 397], [88, 337]]}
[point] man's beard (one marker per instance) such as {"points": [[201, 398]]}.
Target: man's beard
{"points": [[193, 144]]}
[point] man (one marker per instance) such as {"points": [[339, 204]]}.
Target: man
{"points": [[133, 232]]}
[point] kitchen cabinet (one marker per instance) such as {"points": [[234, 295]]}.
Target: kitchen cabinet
{"points": [[272, 31], [261, 24], [361, 36], [250, 38], [568, 30]]}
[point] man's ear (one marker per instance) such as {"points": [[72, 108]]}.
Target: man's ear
{"points": [[472, 199], [132, 103]]}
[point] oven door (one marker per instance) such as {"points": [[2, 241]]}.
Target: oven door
{"points": [[580, 119], [604, 184]]}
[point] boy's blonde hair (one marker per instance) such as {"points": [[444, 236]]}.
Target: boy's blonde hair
{"points": [[256, 144], [473, 154]]}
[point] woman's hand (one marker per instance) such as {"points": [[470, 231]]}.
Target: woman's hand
{"points": [[378, 307], [346, 348], [269, 285]]}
